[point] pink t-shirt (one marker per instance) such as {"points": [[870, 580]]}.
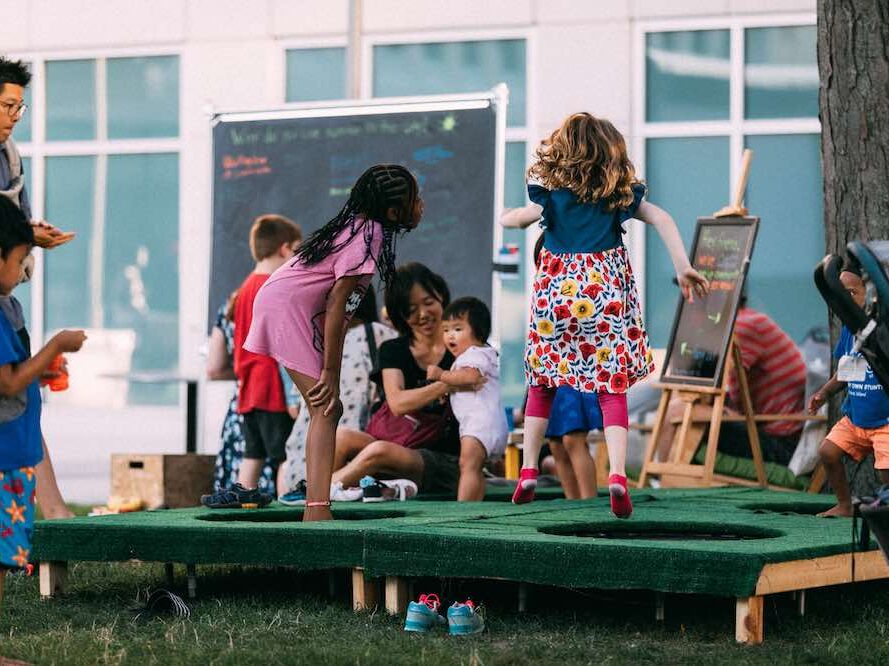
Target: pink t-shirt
{"points": [[289, 311]]}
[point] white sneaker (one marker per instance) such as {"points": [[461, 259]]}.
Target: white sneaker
{"points": [[393, 489], [340, 494]]}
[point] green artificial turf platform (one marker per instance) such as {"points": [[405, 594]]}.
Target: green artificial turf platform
{"points": [[712, 541]]}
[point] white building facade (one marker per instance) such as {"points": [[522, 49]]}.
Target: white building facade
{"points": [[117, 147]]}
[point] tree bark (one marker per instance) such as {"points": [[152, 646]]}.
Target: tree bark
{"points": [[853, 62]]}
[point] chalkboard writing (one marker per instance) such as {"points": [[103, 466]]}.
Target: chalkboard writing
{"points": [[304, 167], [702, 330]]}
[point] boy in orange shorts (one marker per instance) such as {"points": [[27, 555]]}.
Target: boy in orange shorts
{"points": [[865, 423]]}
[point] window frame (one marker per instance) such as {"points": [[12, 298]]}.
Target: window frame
{"points": [[736, 127], [38, 149]]}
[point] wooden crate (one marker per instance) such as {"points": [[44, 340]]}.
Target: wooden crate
{"points": [[162, 480]]}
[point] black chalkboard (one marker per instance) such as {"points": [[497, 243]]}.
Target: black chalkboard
{"points": [[702, 330], [302, 163]]}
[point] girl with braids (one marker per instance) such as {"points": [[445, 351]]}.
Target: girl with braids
{"points": [[302, 312], [586, 324]]}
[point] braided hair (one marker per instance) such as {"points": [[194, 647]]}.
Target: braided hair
{"points": [[381, 187]]}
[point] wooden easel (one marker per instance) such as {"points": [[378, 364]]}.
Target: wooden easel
{"points": [[680, 467]]}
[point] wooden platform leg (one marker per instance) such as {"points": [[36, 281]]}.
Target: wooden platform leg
{"points": [[749, 620], [169, 574], [396, 595], [53, 576], [364, 592], [659, 606], [191, 571]]}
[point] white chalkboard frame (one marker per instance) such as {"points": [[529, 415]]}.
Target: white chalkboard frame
{"points": [[716, 380], [496, 98]]}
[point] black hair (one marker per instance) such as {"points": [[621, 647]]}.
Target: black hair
{"points": [[15, 72], [398, 293], [851, 265], [14, 228], [381, 187], [538, 248], [476, 313], [367, 308]]}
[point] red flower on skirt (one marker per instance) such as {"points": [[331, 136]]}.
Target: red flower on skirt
{"points": [[603, 376], [555, 267], [619, 382], [592, 290], [603, 327], [613, 308], [562, 312], [634, 333], [541, 302], [587, 350]]}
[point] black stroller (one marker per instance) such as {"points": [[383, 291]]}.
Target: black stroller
{"points": [[871, 329]]}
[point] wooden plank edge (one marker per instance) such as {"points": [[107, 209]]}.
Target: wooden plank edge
{"points": [[821, 571]]}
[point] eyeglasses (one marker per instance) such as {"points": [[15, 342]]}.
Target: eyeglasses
{"points": [[14, 110]]}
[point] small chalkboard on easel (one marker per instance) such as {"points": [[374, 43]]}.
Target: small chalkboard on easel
{"points": [[702, 330]]}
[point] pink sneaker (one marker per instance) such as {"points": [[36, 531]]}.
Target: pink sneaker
{"points": [[621, 505], [527, 484]]}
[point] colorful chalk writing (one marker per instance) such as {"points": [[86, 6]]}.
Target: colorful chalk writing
{"points": [[702, 329]]}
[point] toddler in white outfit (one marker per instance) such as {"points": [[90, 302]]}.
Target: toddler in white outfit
{"points": [[475, 378]]}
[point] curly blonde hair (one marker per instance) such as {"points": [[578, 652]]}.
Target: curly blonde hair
{"points": [[588, 156]]}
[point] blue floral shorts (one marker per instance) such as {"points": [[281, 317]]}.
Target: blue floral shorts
{"points": [[17, 488]]}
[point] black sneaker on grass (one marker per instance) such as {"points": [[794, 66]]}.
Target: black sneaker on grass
{"points": [[236, 497]]}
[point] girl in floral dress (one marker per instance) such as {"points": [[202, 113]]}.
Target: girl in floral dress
{"points": [[586, 327]]}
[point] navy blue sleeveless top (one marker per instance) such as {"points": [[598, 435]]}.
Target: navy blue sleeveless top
{"points": [[571, 226]]}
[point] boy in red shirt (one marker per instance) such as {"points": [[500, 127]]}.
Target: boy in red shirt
{"points": [[261, 399]]}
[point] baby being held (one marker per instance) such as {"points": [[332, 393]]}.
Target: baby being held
{"points": [[475, 378]]}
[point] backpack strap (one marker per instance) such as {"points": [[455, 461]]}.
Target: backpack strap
{"points": [[371, 343]]}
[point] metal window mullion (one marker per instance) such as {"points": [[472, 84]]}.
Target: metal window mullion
{"points": [[38, 196], [97, 242], [736, 105]]}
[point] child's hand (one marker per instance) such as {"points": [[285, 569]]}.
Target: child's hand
{"points": [[816, 402], [326, 392], [48, 375], [68, 341], [47, 236], [691, 283], [434, 373]]}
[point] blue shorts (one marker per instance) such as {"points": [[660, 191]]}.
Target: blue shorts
{"points": [[573, 411], [17, 488]]}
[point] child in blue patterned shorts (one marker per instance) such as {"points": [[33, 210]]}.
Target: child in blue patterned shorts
{"points": [[20, 439]]}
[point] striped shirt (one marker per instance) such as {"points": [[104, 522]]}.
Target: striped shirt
{"points": [[776, 371]]}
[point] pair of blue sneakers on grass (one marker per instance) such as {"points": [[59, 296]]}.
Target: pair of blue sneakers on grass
{"points": [[463, 618]]}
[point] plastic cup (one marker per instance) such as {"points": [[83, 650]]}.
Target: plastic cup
{"points": [[59, 383]]}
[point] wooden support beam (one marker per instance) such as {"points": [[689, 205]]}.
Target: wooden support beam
{"points": [[53, 576], [364, 591], [396, 595], [749, 620], [821, 571]]}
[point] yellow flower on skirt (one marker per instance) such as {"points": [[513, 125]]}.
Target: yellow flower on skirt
{"points": [[568, 288], [603, 354], [582, 308], [596, 277], [545, 327], [563, 367], [534, 361]]}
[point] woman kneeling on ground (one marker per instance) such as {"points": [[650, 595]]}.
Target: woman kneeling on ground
{"points": [[429, 454]]}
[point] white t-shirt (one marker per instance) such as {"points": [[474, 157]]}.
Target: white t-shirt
{"points": [[480, 413]]}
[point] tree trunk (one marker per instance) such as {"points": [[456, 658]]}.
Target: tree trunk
{"points": [[853, 61]]}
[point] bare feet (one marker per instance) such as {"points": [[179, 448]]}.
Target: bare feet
{"points": [[840, 510], [317, 513], [57, 512]]}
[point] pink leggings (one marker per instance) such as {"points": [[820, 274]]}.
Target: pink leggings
{"points": [[613, 405]]}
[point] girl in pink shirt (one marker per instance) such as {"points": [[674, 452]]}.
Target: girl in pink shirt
{"points": [[301, 313]]}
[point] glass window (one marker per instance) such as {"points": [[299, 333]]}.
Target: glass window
{"points": [[143, 97], [315, 74], [141, 264], [790, 240], [688, 178], [514, 311], [453, 67], [781, 72], [23, 291], [71, 100], [69, 205], [687, 75]]}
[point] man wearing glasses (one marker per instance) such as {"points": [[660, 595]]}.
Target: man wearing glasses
{"points": [[14, 78]]}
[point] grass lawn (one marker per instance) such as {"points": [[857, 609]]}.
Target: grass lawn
{"points": [[283, 617]]}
